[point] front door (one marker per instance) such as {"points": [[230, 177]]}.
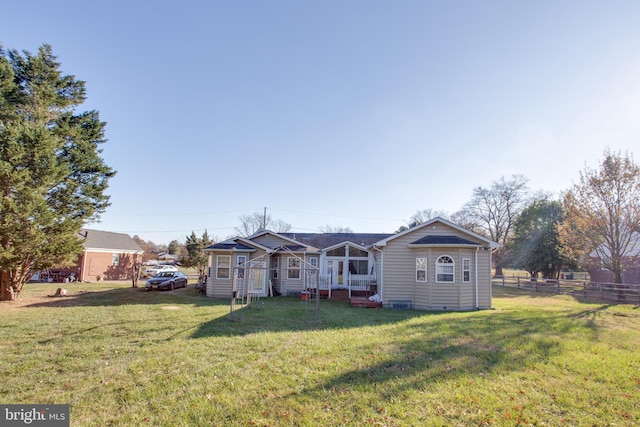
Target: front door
{"points": [[335, 269], [258, 278]]}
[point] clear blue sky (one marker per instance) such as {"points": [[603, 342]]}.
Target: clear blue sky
{"points": [[344, 113]]}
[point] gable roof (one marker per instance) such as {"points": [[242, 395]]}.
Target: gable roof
{"points": [[238, 244], [229, 246], [443, 241], [96, 239], [283, 236], [330, 240], [490, 243]]}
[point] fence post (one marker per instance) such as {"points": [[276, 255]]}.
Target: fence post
{"points": [[518, 281]]}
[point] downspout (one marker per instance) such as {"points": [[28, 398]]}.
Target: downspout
{"points": [[476, 276]]}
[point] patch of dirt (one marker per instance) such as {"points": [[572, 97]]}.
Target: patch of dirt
{"points": [[170, 307]]}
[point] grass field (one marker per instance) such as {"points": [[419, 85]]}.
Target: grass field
{"points": [[123, 356]]}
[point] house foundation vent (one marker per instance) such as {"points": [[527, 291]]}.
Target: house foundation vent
{"points": [[400, 304]]}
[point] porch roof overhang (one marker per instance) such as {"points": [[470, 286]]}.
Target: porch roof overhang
{"points": [[346, 242], [291, 248], [430, 241]]}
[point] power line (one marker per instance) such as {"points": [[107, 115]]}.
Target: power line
{"points": [[180, 214], [336, 216]]}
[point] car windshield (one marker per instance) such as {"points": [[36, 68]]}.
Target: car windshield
{"points": [[165, 274]]}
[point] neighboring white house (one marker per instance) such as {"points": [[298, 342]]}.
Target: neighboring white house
{"points": [[436, 265]]}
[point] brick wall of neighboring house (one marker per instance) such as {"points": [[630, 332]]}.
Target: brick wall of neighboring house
{"points": [[602, 275], [101, 264]]}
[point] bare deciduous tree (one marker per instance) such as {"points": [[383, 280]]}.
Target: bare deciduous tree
{"points": [[250, 224], [422, 216], [493, 211], [335, 229]]}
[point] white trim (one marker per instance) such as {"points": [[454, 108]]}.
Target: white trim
{"points": [[230, 268], [476, 277], [299, 269], [345, 243], [462, 270], [240, 265], [426, 270], [453, 272], [489, 242]]}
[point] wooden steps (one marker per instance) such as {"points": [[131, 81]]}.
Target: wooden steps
{"points": [[364, 302]]}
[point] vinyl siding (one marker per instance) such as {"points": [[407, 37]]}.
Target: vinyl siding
{"points": [[288, 285], [223, 288], [270, 241], [400, 271]]}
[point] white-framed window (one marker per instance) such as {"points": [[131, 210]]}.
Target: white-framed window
{"points": [[313, 261], [241, 260], [293, 268], [275, 266], [223, 267], [115, 259], [313, 271], [421, 269], [445, 269], [466, 270]]}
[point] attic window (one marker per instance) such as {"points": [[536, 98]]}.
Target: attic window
{"points": [[337, 252]]}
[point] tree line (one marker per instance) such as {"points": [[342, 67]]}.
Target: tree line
{"points": [[598, 216]]}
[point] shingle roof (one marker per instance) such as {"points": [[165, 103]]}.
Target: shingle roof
{"points": [[292, 248], [230, 245], [96, 239], [326, 240], [444, 240]]}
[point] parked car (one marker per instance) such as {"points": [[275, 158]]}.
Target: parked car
{"points": [[152, 271], [167, 280]]}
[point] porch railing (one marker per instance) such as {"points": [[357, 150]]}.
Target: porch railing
{"points": [[353, 282]]}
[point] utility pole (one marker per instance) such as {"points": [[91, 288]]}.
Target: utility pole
{"points": [[264, 219]]}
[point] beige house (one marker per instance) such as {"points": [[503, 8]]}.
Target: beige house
{"points": [[436, 265]]}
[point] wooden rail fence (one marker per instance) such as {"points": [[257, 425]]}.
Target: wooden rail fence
{"points": [[617, 293]]}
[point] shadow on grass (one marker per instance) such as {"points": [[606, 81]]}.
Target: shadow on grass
{"points": [[82, 294], [447, 347], [282, 314], [577, 295]]}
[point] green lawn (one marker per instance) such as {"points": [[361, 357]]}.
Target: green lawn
{"points": [[123, 356]]}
